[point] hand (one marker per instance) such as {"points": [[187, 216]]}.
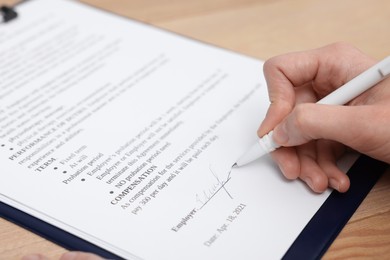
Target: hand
{"points": [[66, 256], [314, 136]]}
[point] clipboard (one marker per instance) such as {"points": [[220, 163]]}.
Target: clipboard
{"points": [[312, 242], [334, 214]]}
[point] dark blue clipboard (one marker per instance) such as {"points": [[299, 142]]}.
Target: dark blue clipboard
{"points": [[338, 208], [311, 243]]}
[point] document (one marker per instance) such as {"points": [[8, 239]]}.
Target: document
{"points": [[124, 134]]}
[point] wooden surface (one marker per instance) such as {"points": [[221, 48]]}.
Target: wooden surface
{"points": [[262, 29]]}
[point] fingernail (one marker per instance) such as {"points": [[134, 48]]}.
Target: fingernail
{"points": [[334, 184], [280, 135]]}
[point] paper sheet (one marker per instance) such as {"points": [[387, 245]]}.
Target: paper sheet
{"points": [[125, 134]]}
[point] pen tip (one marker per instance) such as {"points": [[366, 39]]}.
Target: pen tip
{"points": [[234, 165]]}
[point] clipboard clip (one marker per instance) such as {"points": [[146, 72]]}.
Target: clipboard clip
{"points": [[7, 14]]}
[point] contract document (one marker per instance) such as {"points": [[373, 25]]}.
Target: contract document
{"points": [[124, 135]]}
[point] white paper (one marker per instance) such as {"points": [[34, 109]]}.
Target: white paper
{"points": [[124, 135]]}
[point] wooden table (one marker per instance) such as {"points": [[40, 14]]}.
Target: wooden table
{"points": [[262, 29]]}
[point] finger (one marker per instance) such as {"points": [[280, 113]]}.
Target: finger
{"points": [[305, 94], [275, 114], [292, 69], [327, 155], [281, 81], [278, 110], [287, 160], [343, 124], [311, 172]]}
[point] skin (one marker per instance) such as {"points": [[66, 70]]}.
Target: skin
{"points": [[314, 136]]}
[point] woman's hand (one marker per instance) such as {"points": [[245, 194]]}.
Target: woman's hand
{"points": [[314, 136]]}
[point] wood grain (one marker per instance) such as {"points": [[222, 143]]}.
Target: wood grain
{"points": [[262, 29]]}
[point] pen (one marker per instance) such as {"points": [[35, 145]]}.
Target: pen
{"points": [[340, 96]]}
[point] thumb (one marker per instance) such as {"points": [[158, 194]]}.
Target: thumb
{"points": [[310, 121]]}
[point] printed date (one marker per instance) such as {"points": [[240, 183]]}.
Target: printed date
{"points": [[224, 227]]}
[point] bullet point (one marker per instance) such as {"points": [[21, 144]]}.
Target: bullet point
{"points": [[83, 179], [55, 168], [64, 172], [111, 192]]}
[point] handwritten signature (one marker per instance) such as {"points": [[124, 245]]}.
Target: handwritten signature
{"points": [[207, 195]]}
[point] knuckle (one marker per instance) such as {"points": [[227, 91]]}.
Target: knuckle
{"points": [[300, 116], [304, 120]]}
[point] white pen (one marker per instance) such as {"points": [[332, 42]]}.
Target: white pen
{"points": [[340, 96]]}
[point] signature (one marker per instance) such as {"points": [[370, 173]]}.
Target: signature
{"points": [[207, 195]]}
